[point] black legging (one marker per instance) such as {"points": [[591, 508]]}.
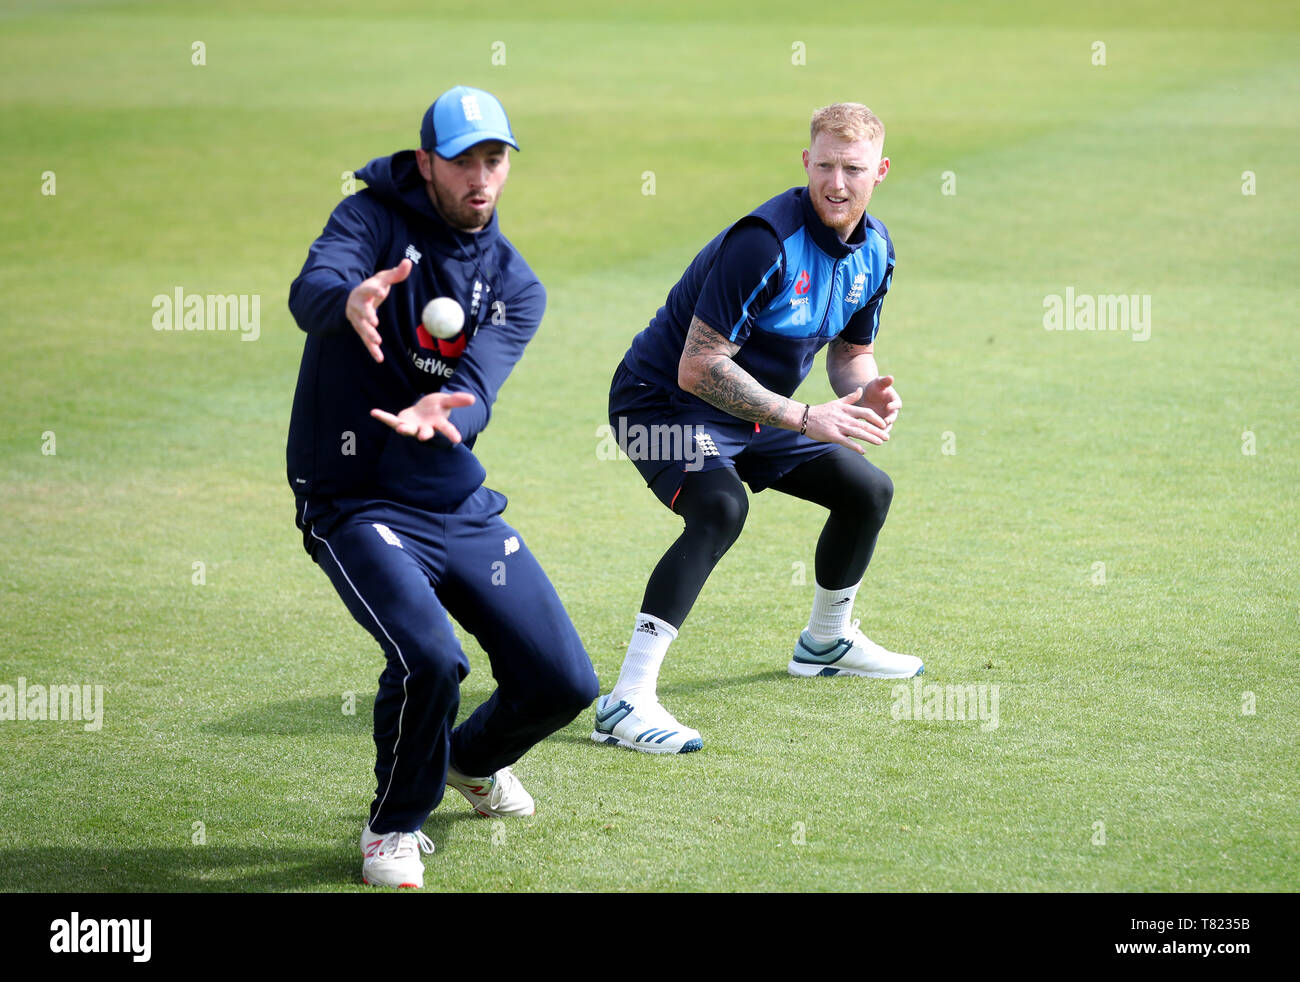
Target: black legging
{"points": [[714, 505]]}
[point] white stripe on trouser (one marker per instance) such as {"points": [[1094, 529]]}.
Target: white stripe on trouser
{"points": [[396, 647]]}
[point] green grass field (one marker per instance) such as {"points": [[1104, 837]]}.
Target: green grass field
{"points": [[1104, 528]]}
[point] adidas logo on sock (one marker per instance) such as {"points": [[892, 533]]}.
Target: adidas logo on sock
{"points": [[648, 628]]}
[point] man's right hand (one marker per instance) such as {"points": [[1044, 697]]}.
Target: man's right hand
{"points": [[368, 295], [843, 422], [430, 415]]}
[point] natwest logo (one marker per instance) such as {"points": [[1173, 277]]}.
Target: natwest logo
{"points": [[802, 284], [434, 366]]}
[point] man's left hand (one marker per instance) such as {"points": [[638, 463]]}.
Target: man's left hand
{"points": [[879, 394], [430, 415]]}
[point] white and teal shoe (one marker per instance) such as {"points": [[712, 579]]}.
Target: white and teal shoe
{"points": [[856, 654], [650, 728]]}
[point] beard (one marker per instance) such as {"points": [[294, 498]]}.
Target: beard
{"points": [[838, 220], [457, 212]]}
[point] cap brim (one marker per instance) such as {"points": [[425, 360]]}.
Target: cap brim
{"points": [[458, 145]]}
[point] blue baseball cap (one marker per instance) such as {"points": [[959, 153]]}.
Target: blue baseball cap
{"points": [[462, 117]]}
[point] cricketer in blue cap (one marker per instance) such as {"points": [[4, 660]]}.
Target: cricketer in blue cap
{"points": [[400, 518]]}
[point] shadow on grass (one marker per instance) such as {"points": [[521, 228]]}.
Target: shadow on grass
{"points": [[300, 717], [253, 868], [724, 682], [325, 714]]}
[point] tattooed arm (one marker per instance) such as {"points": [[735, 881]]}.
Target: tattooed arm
{"points": [[706, 370]]}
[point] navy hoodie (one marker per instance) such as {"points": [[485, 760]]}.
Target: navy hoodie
{"points": [[336, 450]]}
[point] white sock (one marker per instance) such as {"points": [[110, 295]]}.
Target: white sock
{"points": [[832, 611], [645, 653]]}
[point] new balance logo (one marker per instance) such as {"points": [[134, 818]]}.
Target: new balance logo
{"points": [[705, 445], [413, 255], [387, 535], [512, 544], [647, 627]]}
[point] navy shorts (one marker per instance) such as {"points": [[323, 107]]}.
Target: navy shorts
{"points": [[669, 434]]}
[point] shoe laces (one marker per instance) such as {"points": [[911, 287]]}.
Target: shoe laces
{"points": [[400, 845], [860, 639], [502, 782], [662, 717], [864, 642]]}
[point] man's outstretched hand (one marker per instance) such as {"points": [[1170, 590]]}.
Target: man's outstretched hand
{"points": [[428, 416], [368, 295]]}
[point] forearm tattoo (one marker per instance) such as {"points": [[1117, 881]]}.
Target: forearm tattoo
{"points": [[725, 384]]}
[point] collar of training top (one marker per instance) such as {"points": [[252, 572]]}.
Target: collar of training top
{"points": [[826, 238]]}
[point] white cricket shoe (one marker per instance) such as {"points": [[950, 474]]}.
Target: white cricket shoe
{"points": [[498, 795], [650, 728], [856, 654], [393, 858]]}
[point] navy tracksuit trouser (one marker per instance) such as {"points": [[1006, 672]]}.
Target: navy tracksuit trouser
{"points": [[401, 570]]}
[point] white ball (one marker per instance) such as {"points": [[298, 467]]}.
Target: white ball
{"points": [[443, 317]]}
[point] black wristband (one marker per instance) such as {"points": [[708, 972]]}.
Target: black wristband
{"points": [[803, 427]]}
